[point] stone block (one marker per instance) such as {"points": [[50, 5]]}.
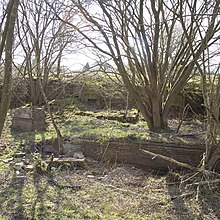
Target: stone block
{"points": [[28, 119]]}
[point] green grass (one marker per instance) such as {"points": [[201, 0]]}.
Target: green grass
{"points": [[74, 125], [114, 191]]}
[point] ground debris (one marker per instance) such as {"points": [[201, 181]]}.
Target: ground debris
{"points": [[54, 182], [65, 160], [8, 160], [19, 154]]}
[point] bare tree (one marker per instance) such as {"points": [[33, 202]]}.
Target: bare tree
{"points": [[148, 45], [208, 66], [6, 45], [43, 40]]}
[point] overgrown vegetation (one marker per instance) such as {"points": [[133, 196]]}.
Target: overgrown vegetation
{"points": [[155, 79], [105, 192]]}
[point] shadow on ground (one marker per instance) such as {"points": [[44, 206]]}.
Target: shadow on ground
{"points": [[189, 204], [11, 198]]}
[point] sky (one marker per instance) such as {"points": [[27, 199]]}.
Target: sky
{"points": [[76, 62], [77, 59]]}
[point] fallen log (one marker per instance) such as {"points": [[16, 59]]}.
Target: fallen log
{"points": [[169, 159]]}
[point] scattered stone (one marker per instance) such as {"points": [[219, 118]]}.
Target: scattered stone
{"points": [[19, 166], [90, 176], [29, 168], [52, 146], [70, 149], [19, 154], [2, 148], [48, 146], [20, 177], [8, 160], [79, 155], [70, 160], [49, 149], [102, 177], [26, 162]]}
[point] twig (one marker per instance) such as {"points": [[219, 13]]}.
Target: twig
{"points": [[184, 113], [201, 183], [53, 182], [182, 196], [197, 192], [189, 178], [119, 189], [104, 153]]}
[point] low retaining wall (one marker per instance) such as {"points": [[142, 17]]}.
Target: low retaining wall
{"points": [[128, 151]]}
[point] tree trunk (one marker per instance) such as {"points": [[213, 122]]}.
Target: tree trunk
{"points": [[212, 157], [212, 154], [57, 130], [6, 91]]}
